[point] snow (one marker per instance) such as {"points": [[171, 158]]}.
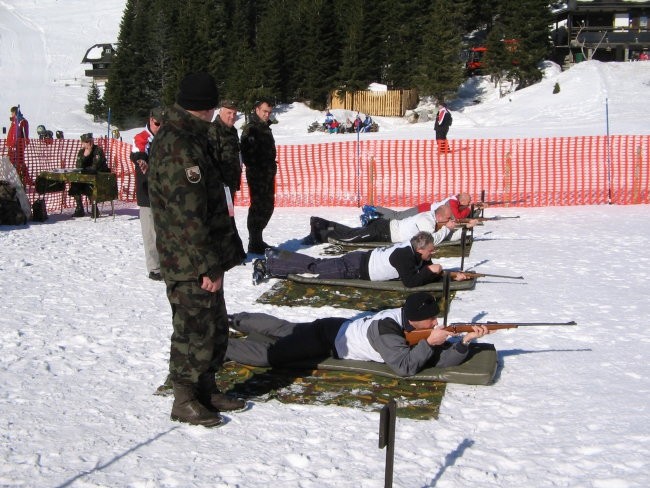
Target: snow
{"points": [[84, 334]]}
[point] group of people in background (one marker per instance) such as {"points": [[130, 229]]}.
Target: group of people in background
{"points": [[333, 126]]}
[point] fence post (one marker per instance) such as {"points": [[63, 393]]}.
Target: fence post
{"points": [[387, 438]]}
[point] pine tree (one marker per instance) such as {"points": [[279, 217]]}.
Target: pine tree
{"points": [[440, 71], [519, 41], [95, 105]]}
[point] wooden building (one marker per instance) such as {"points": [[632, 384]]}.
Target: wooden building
{"points": [[100, 57], [603, 30]]}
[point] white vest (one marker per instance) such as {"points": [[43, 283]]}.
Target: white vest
{"points": [[352, 340], [379, 267]]}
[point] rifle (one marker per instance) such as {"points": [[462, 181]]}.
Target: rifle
{"points": [[415, 336], [484, 219], [500, 202], [473, 274]]}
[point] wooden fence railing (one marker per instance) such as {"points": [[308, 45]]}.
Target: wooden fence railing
{"points": [[588, 170], [391, 103]]}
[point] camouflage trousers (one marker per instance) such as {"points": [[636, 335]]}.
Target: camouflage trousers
{"points": [[200, 337]]}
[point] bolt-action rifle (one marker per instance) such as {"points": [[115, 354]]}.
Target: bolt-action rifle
{"points": [[500, 202], [474, 274], [415, 336], [484, 219]]}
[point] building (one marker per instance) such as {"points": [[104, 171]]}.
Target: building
{"points": [[601, 30], [100, 56]]}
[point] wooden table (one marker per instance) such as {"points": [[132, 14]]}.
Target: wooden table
{"points": [[104, 185]]}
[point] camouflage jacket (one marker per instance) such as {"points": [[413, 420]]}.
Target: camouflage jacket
{"points": [[94, 161], [225, 144], [257, 143], [194, 232]]}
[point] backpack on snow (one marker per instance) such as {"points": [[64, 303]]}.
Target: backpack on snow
{"points": [[39, 211]]}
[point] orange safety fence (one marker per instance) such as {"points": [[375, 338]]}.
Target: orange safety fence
{"points": [[588, 170]]}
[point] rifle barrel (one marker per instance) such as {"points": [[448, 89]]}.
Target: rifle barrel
{"points": [[474, 274]]}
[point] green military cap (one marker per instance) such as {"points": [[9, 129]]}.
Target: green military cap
{"points": [[88, 137], [227, 103]]}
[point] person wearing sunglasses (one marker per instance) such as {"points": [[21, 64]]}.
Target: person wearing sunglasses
{"points": [[140, 158]]}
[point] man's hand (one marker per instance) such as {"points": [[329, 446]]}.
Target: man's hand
{"points": [[212, 286], [477, 331], [438, 337], [435, 268], [458, 276]]}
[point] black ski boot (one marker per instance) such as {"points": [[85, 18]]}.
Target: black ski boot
{"points": [[79, 209]]}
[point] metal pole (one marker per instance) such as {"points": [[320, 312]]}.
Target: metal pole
{"points": [[358, 168], [609, 160], [387, 438]]}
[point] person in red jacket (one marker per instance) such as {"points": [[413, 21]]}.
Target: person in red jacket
{"points": [[140, 158], [17, 140], [460, 204], [441, 126]]}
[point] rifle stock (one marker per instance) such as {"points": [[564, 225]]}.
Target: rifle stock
{"points": [[415, 336]]}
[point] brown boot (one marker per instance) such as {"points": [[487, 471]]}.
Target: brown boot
{"points": [[214, 400], [188, 409]]}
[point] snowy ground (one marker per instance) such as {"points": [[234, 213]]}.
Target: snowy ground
{"points": [[84, 335]]}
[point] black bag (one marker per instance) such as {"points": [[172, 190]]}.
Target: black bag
{"points": [[39, 211], [11, 212]]}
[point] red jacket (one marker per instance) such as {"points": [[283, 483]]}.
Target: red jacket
{"points": [[23, 132]]}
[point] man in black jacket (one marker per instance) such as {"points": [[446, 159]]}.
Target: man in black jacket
{"points": [[258, 153], [408, 261]]}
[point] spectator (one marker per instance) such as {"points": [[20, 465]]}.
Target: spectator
{"points": [[140, 158], [258, 153], [197, 245], [441, 126], [224, 141], [16, 142]]}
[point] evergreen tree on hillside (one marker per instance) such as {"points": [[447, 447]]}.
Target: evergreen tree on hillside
{"points": [[440, 71], [95, 105], [240, 75], [403, 27], [129, 74], [354, 69], [314, 69], [519, 41]]}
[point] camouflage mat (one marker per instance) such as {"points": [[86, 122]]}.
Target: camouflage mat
{"points": [[392, 285], [365, 391], [443, 250], [294, 294], [364, 385]]}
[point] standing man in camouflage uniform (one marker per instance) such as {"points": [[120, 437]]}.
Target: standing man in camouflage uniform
{"points": [[224, 141], [197, 245], [258, 153]]}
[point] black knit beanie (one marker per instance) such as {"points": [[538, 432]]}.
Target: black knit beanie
{"points": [[420, 306], [198, 91]]}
